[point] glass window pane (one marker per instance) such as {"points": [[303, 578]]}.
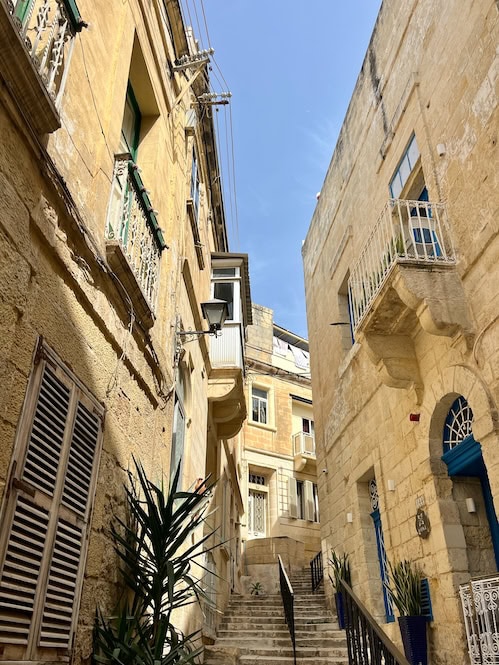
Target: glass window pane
{"points": [[413, 152], [405, 171], [259, 393], [225, 291], [224, 272]]}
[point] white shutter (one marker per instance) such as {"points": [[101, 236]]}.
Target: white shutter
{"points": [[309, 500], [292, 498], [46, 514]]}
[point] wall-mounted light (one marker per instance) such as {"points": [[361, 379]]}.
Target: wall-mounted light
{"points": [[470, 505], [349, 518], [215, 311], [391, 485]]}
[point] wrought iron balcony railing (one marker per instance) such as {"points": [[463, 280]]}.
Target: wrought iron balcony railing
{"points": [[132, 222], [47, 29], [414, 232], [304, 444]]}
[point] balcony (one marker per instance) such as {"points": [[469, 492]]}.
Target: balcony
{"points": [[303, 450], [134, 241], [226, 396], [36, 43], [405, 277]]}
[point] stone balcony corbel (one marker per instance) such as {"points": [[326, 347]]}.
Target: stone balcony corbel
{"points": [[227, 401], [395, 359]]}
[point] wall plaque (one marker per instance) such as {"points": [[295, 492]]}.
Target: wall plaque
{"points": [[422, 524]]}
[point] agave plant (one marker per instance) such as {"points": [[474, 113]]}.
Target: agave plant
{"points": [[341, 570], [154, 545], [405, 588]]}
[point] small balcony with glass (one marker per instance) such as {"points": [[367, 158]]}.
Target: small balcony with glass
{"points": [[304, 446], [37, 38], [230, 283]]}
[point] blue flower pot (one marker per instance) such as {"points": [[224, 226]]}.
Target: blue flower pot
{"points": [[340, 609], [413, 632]]}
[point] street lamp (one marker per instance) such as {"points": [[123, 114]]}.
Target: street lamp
{"points": [[215, 311]]}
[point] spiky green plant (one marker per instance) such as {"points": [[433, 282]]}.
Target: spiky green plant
{"points": [[405, 587], [154, 546], [341, 570]]}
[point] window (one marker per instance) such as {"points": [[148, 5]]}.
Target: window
{"points": [[404, 168], [344, 323], [227, 286], [256, 479], [47, 513], [225, 291], [259, 405], [458, 424], [178, 434], [303, 501], [307, 426], [130, 127], [195, 185]]}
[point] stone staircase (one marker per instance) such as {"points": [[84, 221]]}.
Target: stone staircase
{"points": [[254, 631]]}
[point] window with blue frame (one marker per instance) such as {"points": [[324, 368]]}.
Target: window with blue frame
{"points": [[458, 424], [404, 168]]}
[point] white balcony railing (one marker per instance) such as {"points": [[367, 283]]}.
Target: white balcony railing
{"points": [[132, 222], [226, 349], [480, 602], [407, 231], [47, 29], [304, 444]]}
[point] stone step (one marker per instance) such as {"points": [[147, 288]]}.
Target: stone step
{"points": [[326, 629], [287, 651], [269, 641], [288, 660]]}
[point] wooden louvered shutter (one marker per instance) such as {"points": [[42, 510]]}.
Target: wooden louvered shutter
{"points": [[46, 515], [292, 498]]}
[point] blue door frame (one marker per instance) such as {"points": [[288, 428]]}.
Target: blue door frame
{"points": [[383, 565], [466, 459]]}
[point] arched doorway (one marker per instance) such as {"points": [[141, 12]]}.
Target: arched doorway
{"points": [[465, 465]]}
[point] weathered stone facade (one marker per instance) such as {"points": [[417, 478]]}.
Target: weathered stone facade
{"points": [[80, 298], [278, 464], [419, 282]]}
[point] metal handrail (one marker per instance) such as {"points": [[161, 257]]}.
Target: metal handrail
{"points": [[288, 602], [317, 570], [367, 643]]}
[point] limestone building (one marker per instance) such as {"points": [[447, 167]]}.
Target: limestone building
{"points": [[278, 463], [112, 234], [402, 258]]}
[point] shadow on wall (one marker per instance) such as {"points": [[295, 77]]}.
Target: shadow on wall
{"points": [[53, 288]]}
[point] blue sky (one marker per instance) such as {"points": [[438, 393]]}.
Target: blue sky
{"points": [[291, 67]]}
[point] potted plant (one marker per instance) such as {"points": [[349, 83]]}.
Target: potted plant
{"points": [[256, 589], [405, 591], [341, 571]]}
